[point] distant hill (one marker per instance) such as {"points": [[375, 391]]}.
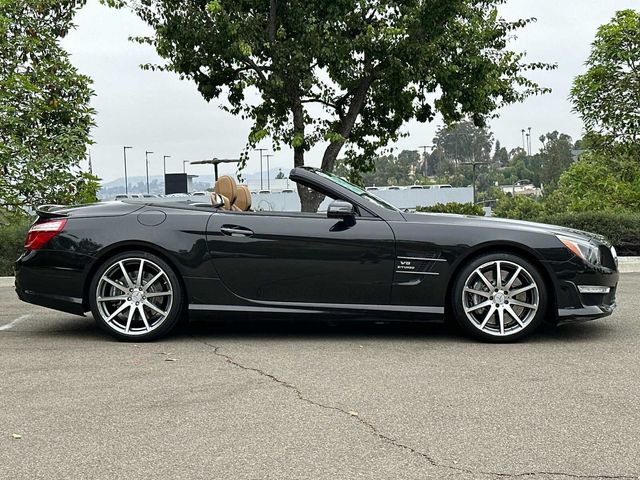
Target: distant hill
{"points": [[138, 184]]}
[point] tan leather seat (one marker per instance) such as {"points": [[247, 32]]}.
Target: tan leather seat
{"points": [[220, 201], [226, 186], [243, 199]]}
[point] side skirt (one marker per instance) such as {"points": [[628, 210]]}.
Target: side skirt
{"points": [[434, 313]]}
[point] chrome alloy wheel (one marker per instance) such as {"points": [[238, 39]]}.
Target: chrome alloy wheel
{"points": [[500, 298], [134, 296]]}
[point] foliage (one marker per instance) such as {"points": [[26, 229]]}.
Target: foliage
{"points": [[347, 73], [519, 207], [606, 96], [453, 207], [13, 231], [600, 181], [464, 142], [621, 228], [45, 115], [554, 158], [388, 170]]}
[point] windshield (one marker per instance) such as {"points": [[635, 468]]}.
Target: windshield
{"points": [[357, 190]]}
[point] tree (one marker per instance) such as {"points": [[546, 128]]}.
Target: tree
{"points": [[348, 73], [599, 182], [554, 157], [501, 156], [45, 115], [607, 96], [464, 142]]}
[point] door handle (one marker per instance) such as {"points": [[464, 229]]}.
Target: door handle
{"points": [[236, 231]]}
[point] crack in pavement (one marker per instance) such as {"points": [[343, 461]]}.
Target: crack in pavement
{"points": [[389, 440]]}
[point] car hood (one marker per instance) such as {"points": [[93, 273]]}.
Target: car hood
{"points": [[504, 224]]}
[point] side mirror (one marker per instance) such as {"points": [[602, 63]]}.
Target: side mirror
{"points": [[342, 210]]}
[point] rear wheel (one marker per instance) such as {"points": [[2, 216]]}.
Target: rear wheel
{"points": [[499, 297], [136, 296]]}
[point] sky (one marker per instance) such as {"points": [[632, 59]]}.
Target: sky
{"points": [[158, 112]]}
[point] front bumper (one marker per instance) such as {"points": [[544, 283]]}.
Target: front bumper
{"points": [[591, 312], [574, 306]]}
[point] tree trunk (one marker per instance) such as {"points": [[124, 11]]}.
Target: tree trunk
{"points": [[347, 123], [309, 199]]}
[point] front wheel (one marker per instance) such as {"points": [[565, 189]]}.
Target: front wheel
{"points": [[136, 296], [499, 297]]}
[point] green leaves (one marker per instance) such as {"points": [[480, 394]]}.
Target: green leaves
{"points": [[45, 115], [607, 96], [346, 73]]}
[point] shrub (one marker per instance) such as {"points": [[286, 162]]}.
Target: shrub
{"points": [[518, 207], [621, 228], [453, 207], [12, 235]]}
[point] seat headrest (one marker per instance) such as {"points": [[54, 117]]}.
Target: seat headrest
{"points": [[243, 198], [226, 186]]}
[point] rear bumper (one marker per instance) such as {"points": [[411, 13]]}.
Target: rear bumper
{"points": [[64, 304], [39, 282]]}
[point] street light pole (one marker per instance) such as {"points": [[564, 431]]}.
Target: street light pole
{"points": [[529, 139], [164, 163], [146, 160], [523, 146], [268, 174], [184, 168], [126, 181], [261, 150], [474, 164], [424, 156]]}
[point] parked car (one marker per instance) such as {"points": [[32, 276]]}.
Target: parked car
{"points": [[138, 266], [124, 196], [522, 187]]}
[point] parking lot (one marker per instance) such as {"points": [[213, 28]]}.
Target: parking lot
{"points": [[243, 399]]}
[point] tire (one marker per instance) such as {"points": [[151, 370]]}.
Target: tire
{"points": [[145, 306], [519, 298]]}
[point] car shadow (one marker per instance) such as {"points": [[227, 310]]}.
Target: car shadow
{"points": [[324, 328], [367, 328]]}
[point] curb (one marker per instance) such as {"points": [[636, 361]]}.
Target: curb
{"points": [[625, 265], [629, 264]]}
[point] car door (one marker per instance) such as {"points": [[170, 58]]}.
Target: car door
{"points": [[302, 258]]}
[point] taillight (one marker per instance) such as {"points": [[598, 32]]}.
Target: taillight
{"points": [[40, 233]]}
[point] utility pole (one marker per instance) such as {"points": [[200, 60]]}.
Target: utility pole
{"points": [[164, 163], [146, 160], [474, 164], [126, 182], [424, 158], [268, 174], [90, 165], [261, 150]]}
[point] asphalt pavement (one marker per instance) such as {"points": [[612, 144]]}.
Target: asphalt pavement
{"points": [[237, 398]]}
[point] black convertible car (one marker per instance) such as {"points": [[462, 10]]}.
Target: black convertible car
{"points": [[140, 265]]}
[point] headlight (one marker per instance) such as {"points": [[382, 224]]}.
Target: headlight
{"points": [[582, 248]]}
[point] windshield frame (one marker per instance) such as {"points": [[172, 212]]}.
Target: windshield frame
{"points": [[357, 190]]}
